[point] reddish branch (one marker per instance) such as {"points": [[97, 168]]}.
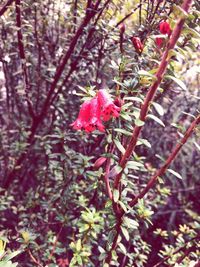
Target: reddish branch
{"points": [[5, 7], [169, 160], [34, 259], [152, 91], [22, 56], [153, 180], [136, 132]]}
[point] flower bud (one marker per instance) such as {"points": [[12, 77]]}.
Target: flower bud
{"points": [[122, 28], [165, 27], [137, 44], [99, 162]]}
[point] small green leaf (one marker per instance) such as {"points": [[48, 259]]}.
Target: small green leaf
{"points": [[125, 116], [139, 123], [123, 206], [125, 233], [143, 142], [177, 81], [175, 173], [123, 131], [115, 195], [156, 119], [130, 223], [78, 245], [158, 108], [134, 165], [146, 73], [122, 248], [119, 146]]}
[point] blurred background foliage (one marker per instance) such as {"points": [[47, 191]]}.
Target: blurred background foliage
{"points": [[54, 206]]}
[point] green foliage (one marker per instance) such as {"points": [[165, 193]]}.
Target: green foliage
{"points": [[54, 202]]}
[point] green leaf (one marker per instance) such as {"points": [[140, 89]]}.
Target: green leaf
{"points": [[130, 223], [143, 142], [156, 119], [125, 233], [146, 73], [122, 248], [115, 195], [78, 245], [134, 165], [139, 123], [123, 131], [123, 206], [175, 173], [177, 81], [12, 255], [126, 117], [158, 108], [119, 146]]}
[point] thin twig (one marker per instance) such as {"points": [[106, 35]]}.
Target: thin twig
{"points": [[23, 57], [34, 259]]}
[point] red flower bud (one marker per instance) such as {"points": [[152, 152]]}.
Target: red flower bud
{"points": [[165, 27], [137, 44], [99, 162], [159, 41], [122, 28]]}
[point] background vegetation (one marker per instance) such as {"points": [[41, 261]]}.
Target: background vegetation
{"points": [[54, 201]]}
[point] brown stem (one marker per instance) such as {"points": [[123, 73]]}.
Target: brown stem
{"points": [[23, 57], [114, 244], [152, 90], [106, 177], [34, 259], [169, 160]]}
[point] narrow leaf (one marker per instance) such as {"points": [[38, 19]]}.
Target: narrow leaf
{"points": [[177, 81], [119, 146], [175, 173], [115, 195], [156, 119]]}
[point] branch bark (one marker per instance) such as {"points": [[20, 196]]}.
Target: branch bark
{"points": [[23, 57]]}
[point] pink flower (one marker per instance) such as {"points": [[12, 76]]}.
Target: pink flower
{"points": [[95, 113], [83, 117], [108, 108], [92, 112]]}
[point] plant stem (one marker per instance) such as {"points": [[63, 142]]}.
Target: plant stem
{"points": [[152, 91], [169, 160]]}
